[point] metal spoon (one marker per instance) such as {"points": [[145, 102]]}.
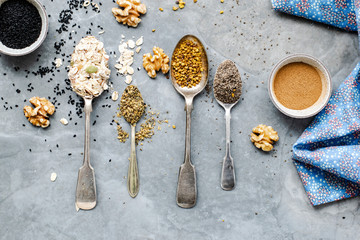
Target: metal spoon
{"points": [[132, 108], [228, 170], [133, 183], [85, 85], [186, 193], [86, 188]]}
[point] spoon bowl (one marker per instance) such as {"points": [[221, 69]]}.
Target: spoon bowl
{"points": [[186, 193], [193, 91]]}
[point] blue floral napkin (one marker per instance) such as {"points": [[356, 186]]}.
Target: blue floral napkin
{"points": [[327, 154], [338, 13]]}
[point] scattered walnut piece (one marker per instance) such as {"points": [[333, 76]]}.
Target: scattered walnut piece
{"points": [[264, 137], [39, 115], [129, 12], [154, 63]]}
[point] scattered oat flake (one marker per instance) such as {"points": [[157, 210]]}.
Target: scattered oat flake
{"points": [[53, 177], [64, 121], [115, 96], [131, 44], [101, 32], [128, 79], [126, 58], [58, 62], [140, 41], [130, 70], [137, 50]]}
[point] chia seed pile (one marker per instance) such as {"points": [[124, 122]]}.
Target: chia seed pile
{"points": [[20, 24], [227, 83]]}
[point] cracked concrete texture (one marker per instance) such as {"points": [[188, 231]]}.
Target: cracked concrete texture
{"points": [[268, 202]]}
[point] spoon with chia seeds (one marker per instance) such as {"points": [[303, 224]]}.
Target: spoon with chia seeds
{"points": [[132, 107], [227, 92]]}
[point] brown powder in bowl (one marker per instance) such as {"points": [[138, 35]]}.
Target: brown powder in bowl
{"points": [[297, 85]]}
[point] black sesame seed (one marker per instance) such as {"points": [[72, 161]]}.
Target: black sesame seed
{"points": [[20, 24]]}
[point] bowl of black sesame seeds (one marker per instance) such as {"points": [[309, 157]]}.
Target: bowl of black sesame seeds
{"points": [[23, 26]]}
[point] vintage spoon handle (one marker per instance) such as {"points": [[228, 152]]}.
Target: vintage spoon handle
{"points": [[186, 190], [228, 171], [86, 187], [133, 172]]}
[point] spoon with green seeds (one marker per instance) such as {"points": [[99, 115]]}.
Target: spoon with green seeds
{"points": [[132, 107]]}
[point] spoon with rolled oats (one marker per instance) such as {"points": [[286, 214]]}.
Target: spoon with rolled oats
{"points": [[88, 74]]}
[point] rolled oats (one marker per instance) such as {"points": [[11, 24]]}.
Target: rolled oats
{"points": [[115, 96], [58, 62], [128, 79], [53, 177], [140, 41], [64, 121], [89, 70]]}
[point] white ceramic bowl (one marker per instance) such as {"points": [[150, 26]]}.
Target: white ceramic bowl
{"points": [[326, 86], [38, 42]]}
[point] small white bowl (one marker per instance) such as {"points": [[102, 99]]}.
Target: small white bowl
{"points": [[38, 42], [326, 86]]}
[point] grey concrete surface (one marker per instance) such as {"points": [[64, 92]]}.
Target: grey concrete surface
{"points": [[269, 201]]}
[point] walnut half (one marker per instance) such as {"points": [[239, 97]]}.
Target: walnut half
{"points": [[39, 115], [264, 137], [156, 62], [129, 12]]}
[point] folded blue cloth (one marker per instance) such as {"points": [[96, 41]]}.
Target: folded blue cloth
{"points": [[327, 154], [338, 13]]}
